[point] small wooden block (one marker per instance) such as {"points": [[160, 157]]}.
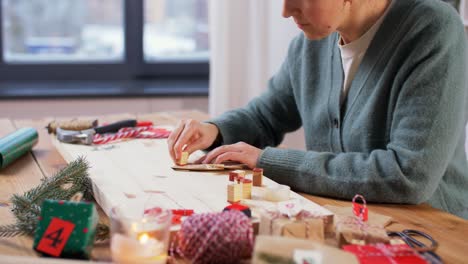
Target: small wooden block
{"points": [[234, 193], [240, 173], [183, 158], [246, 189], [257, 177]]}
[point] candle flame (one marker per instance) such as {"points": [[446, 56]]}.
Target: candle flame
{"points": [[143, 238]]}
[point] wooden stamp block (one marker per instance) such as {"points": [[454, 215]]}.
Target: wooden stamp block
{"points": [[257, 177], [246, 189], [234, 193], [183, 158]]}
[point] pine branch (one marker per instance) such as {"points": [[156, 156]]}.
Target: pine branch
{"points": [[102, 232], [61, 186], [11, 231], [75, 174]]}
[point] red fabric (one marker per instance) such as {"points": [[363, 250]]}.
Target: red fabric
{"points": [[385, 254]]}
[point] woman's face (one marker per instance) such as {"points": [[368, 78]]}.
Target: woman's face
{"points": [[317, 18]]}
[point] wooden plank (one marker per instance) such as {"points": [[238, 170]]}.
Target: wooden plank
{"points": [[48, 158], [138, 173], [18, 177]]}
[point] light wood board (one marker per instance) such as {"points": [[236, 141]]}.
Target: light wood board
{"points": [[138, 173]]}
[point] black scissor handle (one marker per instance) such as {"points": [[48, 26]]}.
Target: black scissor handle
{"points": [[412, 232], [408, 235]]}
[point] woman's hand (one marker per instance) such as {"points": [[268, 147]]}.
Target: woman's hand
{"points": [[240, 152], [191, 135]]}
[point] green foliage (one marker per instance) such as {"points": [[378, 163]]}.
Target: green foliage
{"points": [[62, 186]]}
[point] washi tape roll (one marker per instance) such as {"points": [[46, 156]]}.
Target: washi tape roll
{"points": [[16, 144]]}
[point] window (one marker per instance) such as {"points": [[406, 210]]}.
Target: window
{"points": [[139, 41], [62, 31], [176, 30]]}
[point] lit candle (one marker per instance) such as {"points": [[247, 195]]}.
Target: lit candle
{"points": [[140, 235], [143, 249]]}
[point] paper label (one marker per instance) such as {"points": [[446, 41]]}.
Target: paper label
{"points": [[301, 256], [55, 237]]}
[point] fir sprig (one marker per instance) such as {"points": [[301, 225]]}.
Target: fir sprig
{"points": [[62, 186]]}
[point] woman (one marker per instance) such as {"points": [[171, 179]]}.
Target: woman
{"points": [[379, 87]]}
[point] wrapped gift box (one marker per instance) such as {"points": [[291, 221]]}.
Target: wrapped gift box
{"points": [[384, 253], [66, 229], [303, 225], [352, 230], [271, 249]]}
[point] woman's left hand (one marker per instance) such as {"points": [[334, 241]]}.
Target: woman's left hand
{"points": [[240, 152]]}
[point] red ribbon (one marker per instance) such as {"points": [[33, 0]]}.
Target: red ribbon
{"points": [[360, 210]]}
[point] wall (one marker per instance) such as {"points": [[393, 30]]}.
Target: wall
{"points": [[282, 32], [90, 107]]}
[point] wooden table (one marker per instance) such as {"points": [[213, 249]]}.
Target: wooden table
{"points": [[450, 231]]}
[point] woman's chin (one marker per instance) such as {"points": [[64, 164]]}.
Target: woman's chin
{"points": [[315, 35]]}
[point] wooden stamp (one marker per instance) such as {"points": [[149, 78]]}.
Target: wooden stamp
{"points": [[246, 189], [234, 193], [183, 158], [257, 177], [240, 175]]}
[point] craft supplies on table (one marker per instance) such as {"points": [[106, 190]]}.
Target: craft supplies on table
{"points": [[414, 239], [257, 177], [277, 193], [385, 254], [289, 219], [141, 237], [16, 144], [274, 249], [183, 160], [223, 237], [73, 124], [66, 229]]}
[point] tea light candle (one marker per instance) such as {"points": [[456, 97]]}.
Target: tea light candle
{"points": [[143, 249], [140, 235], [277, 193]]}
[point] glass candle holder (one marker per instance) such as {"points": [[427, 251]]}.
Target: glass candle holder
{"points": [[140, 237], [277, 193]]}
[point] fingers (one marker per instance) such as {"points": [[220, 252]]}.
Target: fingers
{"points": [[196, 144], [200, 160], [231, 156], [239, 152], [188, 135], [220, 150], [173, 137]]}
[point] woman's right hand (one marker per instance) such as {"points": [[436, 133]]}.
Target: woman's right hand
{"points": [[191, 135]]}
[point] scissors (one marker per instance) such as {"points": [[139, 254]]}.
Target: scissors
{"points": [[410, 237]]}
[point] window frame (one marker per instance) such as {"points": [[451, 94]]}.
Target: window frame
{"points": [[133, 66]]}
